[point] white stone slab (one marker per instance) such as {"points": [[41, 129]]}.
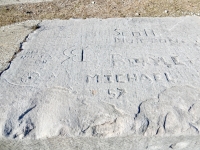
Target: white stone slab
{"points": [[9, 2], [104, 78]]}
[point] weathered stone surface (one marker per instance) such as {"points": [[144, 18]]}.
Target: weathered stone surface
{"points": [[116, 143], [9, 2], [104, 78], [10, 38]]}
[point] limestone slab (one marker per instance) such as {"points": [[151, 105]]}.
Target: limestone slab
{"points": [[104, 78]]}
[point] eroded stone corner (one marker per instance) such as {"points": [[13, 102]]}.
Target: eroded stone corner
{"points": [[17, 31]]}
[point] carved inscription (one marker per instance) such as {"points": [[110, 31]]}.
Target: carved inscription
{"points": [[40, 58], [125, 79], [142, 37], [147, 41], [128, 78], [93, 79], [176, 61], [119, 60], [144, 32], [116, 93], [118, 80], [108, 78], [74, 55]]}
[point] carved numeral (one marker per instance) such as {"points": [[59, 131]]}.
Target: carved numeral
{"points": [[116, 93], [74, 55]]}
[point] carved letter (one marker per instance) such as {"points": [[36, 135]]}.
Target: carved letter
{"points": [[135, 61], [111, 93], [145, 77], [108, 78], [119, 40], [121, 92], [134, 77], [176, 61], [157, 77], [152, 32], [136, 34], [118, 79], [167, 77], [118, 33], [97, 78], [117, 60]]}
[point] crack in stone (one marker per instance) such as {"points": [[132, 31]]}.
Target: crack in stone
{"points": [[20, 47], [26, 112]]}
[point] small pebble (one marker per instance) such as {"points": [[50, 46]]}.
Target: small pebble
{"points": [[137, 14]]}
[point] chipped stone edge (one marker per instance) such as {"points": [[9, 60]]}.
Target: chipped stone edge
{"points": [[34, 28]]}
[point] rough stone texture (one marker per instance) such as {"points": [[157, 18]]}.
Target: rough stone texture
{"points": [[10, 38], [117, 143], [9, 2], [106, 78]]}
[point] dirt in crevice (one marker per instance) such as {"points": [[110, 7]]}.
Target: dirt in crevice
{"points": [[35, 27]]}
